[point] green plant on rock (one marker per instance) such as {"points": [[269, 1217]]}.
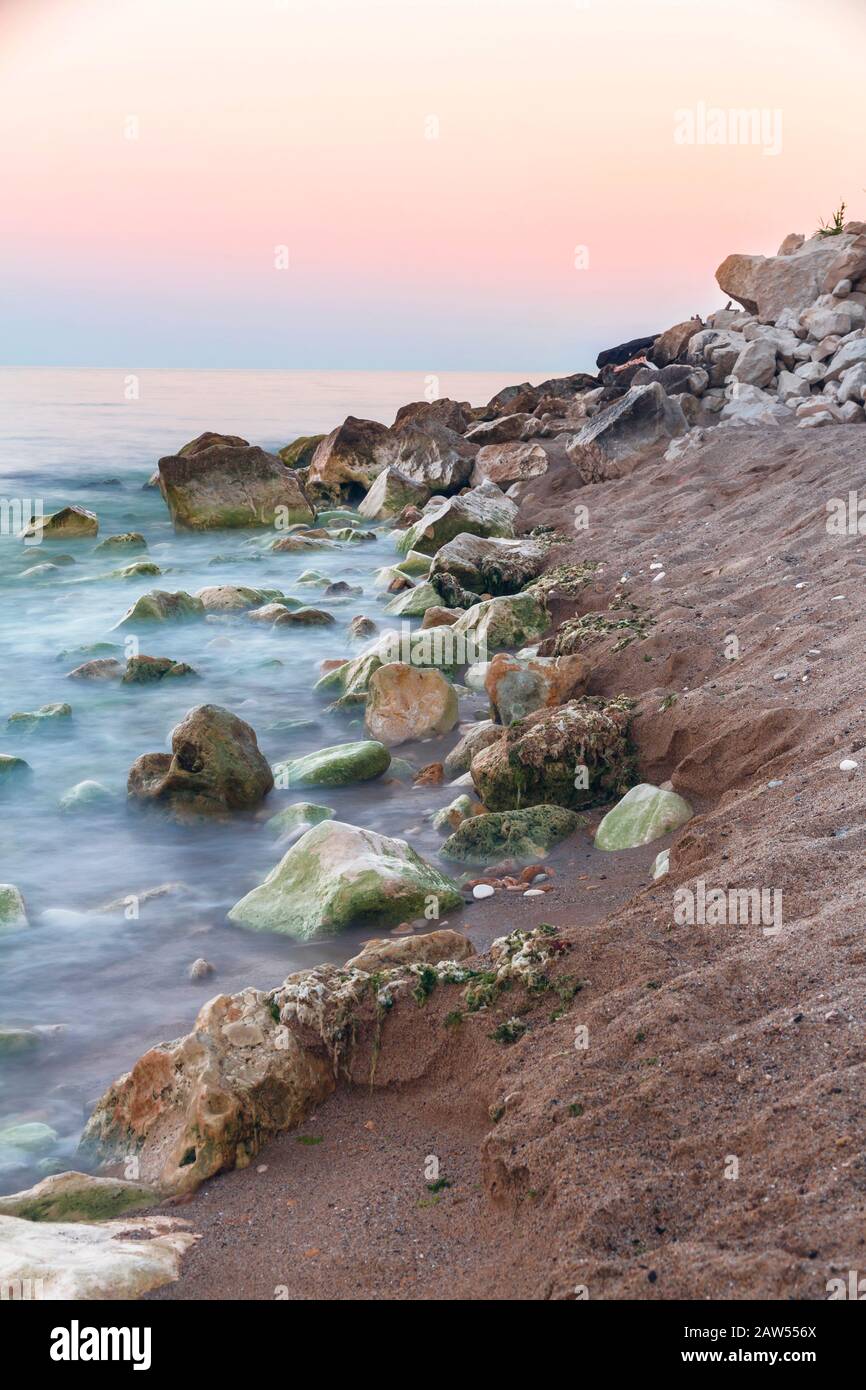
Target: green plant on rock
{"points": [[511, 1031], [836, 225]]}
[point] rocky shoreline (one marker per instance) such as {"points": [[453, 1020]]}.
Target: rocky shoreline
{"points": [[590, 544]]}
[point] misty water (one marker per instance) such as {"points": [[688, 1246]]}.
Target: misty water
{"points": [[106, 986]]}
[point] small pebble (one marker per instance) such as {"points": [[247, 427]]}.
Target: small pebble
{"points": [[482, 890], [200, 969], [848, 765], [534, 893]]}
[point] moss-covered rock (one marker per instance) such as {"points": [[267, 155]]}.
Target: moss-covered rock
{"points": [[339, 874], [413, 603], [79, 1197], [644, 814], [46, 717], [300, 452], [484, 511], [522, 835], [231, 485], [575, 755], [509, 621], [161, 607], [128, 540], [13, 913], [14, 773], [449, 817], [153, 670], [337, 766]]}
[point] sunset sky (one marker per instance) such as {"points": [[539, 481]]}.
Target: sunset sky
{"points": [[430, 166]]}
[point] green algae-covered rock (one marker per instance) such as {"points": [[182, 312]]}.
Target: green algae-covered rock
{"points": [[17, 1040], [350, 682], [291, 818], [413, 603], [86, 796], [643, 815], [337, 766], [339, 874], [574, 755], [47, 716], [299, 453], [413, 564], [31, 1138], [13, 913], [128, 540], [79, 1197], [160, 607], [483, 511], [509, 621], [14, 772], [523, 835]]}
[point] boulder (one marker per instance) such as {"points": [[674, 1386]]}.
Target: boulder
{"points": [[484, 511], [78, 1197], [749, 405], [339, 874], [157, 606], [128, 540], [105, 668], [408, 702], [454, 415], [50, 717], [487, 564], [429, 948], [504, 464], [522, 835], [574, 755], [413, 603], [304, 617], [518, 686], [190, 1108], [151, 670], [231, 598], [13, 913], [671, 344], [850, 354], [509, 621], [478, 735], [299, 454], [433, 457], [69, 524], [390, 493], [756, 364], [337, 766], [215, 766], [616, 440], [348, 460], [643, 815], [501, 430], [768, 285], [231, 486], [440, 617], [71, 1261]]}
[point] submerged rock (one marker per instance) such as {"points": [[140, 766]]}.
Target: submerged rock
{"points": [[301, 816], [13, 913], [215, 766], [233, 598], [230, 485], [483, 511], [86, 796], [644, 814], [337, 766], [337, 874], [128, 540], [524, 835], [406, 702], [70, 523], [573, 755], [414, 602], [161, 607], [151, 670], [47, 716], [14, 773]]}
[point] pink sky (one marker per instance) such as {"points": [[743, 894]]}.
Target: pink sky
{"points": [[304, 123]]}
